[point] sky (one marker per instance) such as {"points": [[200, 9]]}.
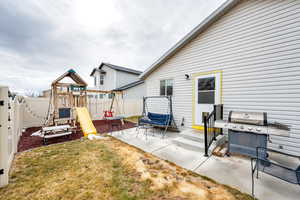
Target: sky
{"points": [[41, 39]]}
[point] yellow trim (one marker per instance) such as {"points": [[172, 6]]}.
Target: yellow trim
{"points": [[201, 128], [193, 95], [198, 127]]}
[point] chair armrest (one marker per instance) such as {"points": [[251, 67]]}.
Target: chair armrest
{"points": [[275, 151], [272, 162]]}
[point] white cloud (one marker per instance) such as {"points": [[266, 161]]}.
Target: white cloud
{"points": [[40, 40]]}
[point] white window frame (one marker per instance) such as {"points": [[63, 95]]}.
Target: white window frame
{"points": [[101, 79], [166, 87]]}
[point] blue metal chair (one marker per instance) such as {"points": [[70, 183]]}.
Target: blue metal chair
{"points": [[157, 120], [263, 163], [163, 121]]}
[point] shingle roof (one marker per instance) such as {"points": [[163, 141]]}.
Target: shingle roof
{"points": [[119, 68], [130, 85], [116, 67], [96, 69]]}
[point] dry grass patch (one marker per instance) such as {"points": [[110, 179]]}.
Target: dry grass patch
{"points": [[133, 119], [105, 169], [177, 181]]}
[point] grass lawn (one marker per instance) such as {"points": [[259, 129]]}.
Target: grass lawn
{"points": [[133, 119], [105, 169]]}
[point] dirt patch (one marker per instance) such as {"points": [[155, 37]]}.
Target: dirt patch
{"points": [[165, 175]]}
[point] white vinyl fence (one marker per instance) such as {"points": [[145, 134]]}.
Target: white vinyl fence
{"points": [[11, 125], [18, 113], [35, 111], [121, 107]]}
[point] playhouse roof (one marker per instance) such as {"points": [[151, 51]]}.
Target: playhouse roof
{"points": [[73, 75]]}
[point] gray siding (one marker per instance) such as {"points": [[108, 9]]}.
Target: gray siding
{"points": [[257, 46], [114, 79], [109, 79], [136, 92], [124, 78]]}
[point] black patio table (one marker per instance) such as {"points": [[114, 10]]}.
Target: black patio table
{"points": [[279, 169]]}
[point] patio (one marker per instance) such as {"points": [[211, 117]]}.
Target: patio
{"points": [[233, 171]]}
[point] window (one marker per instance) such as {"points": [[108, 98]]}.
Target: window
{"points": [[166, 87], [95, 81], [101, 96], [110, 96], [206, 90], [101, 79]]}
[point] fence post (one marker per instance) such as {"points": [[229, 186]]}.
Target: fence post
{"points": [[205, 136], [3, 136]]}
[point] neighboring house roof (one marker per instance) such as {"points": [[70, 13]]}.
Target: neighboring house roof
{"points": [[205, 24], [130, 85], [115, 67]]}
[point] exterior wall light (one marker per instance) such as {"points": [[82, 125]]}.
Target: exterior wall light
{"points": [[187, 77]]}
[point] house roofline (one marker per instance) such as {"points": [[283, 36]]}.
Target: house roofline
{"points": [[116, 67], [204, 25], [130, 85], [97, 69]]}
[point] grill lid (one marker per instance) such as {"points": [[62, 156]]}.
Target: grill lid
{"points": [[254, 118]]}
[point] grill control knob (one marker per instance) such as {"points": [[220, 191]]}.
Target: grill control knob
{"points": [[258, 129], [242, 127], [250, 128], [234, 126]]}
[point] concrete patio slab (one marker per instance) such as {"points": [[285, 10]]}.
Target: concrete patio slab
{"points": [[148, 144], [236, 172], [233, 171], [163, 147], [182, 157]]}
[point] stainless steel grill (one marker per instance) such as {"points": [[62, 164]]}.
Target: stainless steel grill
{"points": [[253, 118], [248, 130], [255, 122]]}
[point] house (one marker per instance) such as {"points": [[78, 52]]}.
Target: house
{"points": [[246, 54], [108, 77], [111, 79], [46, 93], [134, 90], [132, 96]]}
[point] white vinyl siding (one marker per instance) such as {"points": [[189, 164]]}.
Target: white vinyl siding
{"points": [[109, 79], [136, 92], [166, 87], [124, 78], [257, 47]]}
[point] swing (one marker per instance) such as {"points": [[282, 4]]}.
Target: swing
{"points": [[164, 121], [109, 113]]}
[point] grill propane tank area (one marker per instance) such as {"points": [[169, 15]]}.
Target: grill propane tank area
{"points": [[248, 130]]}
